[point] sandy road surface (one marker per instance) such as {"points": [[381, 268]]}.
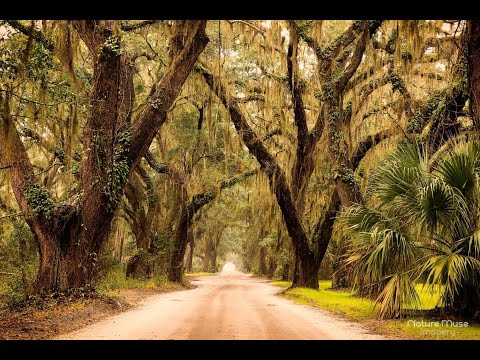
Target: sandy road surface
{"points": [[231, 305]]}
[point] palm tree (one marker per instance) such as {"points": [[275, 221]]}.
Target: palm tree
{"points": [[420, 223]]}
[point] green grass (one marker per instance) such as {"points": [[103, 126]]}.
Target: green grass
{"points": [[343, 302], [364, 311], [429, 298], [200, 273], [116, 279]]}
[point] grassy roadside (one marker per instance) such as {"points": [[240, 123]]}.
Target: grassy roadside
{"points": [[200, 273], [56, 315], [116, 280], [364, 311]]}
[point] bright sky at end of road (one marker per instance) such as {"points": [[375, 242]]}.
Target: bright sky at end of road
{"points": [[228, 267]]}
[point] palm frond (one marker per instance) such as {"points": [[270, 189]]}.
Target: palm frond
{"points": [[453, 270], [470, 245], [443, 206], [421, 221], [460, 172], [398, 294], [360, 218]]}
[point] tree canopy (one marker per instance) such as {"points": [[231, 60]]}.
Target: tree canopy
{"points": [[294, 148]]}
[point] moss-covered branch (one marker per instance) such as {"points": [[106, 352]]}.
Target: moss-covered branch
{"points": [[165, 91], [302, 32], [323, 229], [268, 163], [37, 35], [365, 145], [164, 169], [200, 200], [128, 26]]}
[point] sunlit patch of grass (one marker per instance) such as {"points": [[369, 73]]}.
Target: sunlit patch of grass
{"points": [[363, 310], [200, 273], [284, 284], [343, 302], [429, 298], [116, 279], [324, 284]]}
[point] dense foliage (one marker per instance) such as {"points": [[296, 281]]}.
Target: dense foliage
{"points": [[292, 148]]}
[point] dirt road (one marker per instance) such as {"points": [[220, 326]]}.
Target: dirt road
{"points": [[231, 305]]}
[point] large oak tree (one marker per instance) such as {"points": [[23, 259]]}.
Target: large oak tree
{"points": [[71, 237], [335, 70]]}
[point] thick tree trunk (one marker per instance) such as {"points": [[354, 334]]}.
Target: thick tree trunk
{"points": [[306, 140], [51, 264], [190, 254], [286, 272], [306, 271], [272, 266], [206, 263], [301, 179], [61, 270], [473, 60], [68, 256], [175, 272], [69, 245], [345, 183], [140, 265], [208, 255], [106, 136], [65, 250], [262, 260], [214, 260], [307, 266]]}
